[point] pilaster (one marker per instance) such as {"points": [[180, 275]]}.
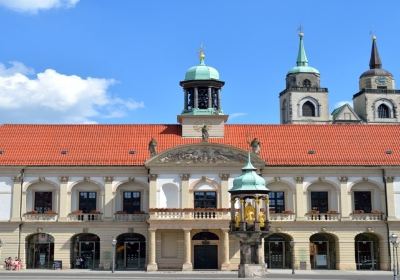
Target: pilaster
{"points": [[153, 191], [16, 200], [225, 255], [224, 191], [65, 200], [108, 198], [390, 198], [185, 200], [300, 199], [345, 203]]}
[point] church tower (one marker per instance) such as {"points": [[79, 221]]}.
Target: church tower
{"points": [[303, 101], [202, 102], [377, 100]]}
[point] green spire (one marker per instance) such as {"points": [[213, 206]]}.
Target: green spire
{"points": [[302, 57]]}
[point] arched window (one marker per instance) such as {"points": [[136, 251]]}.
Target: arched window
{"points": [[383, 111], [307, 83], [308, 109]]}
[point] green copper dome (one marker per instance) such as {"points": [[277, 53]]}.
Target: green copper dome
{"points": [[249, 181], [302, 61], [201, 71]]}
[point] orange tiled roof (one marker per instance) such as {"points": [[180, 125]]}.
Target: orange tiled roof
{"points": [[281, 145]]}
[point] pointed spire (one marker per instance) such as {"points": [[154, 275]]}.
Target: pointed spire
{"points": [[249, 166], [302, 57], [375, 61]]}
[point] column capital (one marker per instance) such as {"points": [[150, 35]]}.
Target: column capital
{"points": [[185, 176], [343, 179], [108, 179], [17, 179], [224, 176], [63, 179], [389, 179], [225, 230], [187, 229], [153, 177], [299, 180], [152, 229]]}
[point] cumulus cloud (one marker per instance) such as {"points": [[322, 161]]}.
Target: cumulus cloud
{"points": [[52, 97], [33, 6]]}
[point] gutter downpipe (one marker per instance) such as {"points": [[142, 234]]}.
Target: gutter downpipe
{"points": [[22, 172], [386, 218]]}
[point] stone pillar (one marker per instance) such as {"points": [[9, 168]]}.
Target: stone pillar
{"points": [[65, 201], [345, 203], [390, 199], [187, 265], [16, 200], [261, 257], [153, 191], [186, 201], [196, 98], [301, 201], [242, 217], [225, 253], [152, 264], [219, 99], [209, 98], [108, 198], [224, 191]]}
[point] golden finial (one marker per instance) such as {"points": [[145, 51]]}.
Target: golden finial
{"points": [[202, 55]]}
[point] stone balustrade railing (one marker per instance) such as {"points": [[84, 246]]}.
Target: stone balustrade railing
{"points": [[40, 217], [323, 216], [367, 217], [190, 214], [282, 217], [125, 217], [85, 217]]}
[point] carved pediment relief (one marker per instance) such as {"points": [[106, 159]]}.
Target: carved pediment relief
{"points": [[204, 154]]}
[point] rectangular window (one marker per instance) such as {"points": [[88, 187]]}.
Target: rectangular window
{"points": [[362, 201], [205, 200], [319, 201], [43, 202], [131, 202], [87, 201], [277, 201]]}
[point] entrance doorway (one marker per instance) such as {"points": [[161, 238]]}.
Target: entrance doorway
{"points": [[277, 252], [322, 251], [205, 251], [40, 251], [85, 251], [131, 251], [367, 251]]}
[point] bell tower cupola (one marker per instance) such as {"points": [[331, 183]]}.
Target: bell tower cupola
{"points": [[377, 99], [303, 100], [202, 101]]}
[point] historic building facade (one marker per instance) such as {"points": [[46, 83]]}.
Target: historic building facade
{"points": [[161, 191]]}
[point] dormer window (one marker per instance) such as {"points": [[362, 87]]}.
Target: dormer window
{"points": [[307, 83], [383, 112]]}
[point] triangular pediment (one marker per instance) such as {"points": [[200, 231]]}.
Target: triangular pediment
{"points": [[204, 155], [345, 114]]}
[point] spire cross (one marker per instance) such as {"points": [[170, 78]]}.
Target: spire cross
{"points": [[300, 30], [201, 54]]}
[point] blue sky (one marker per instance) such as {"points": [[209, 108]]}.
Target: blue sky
{"points": [[120, 61]]}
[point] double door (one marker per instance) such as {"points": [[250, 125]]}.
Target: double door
{"points": [[276, 254], [132, 258], [320, 258], [365, 255], [87, 251], [42, 255]]}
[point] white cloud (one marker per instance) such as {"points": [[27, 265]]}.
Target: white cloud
{"points": [[33, 6], [341, 103], [52, 97], [237, 115]]}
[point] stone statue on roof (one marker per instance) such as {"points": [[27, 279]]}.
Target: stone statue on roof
{"points": [[255, 146], [152, 147], [204, 133]]}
